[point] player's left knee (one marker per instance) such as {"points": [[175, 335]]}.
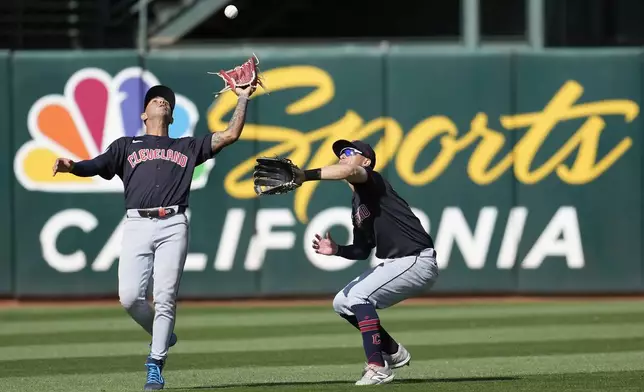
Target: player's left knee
{"points": [[130, 299], [340, 304]]}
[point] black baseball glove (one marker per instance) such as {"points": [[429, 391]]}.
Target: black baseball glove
{"points": [[274, 176]]}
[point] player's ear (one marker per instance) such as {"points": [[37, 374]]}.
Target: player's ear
{"points": [[144, 116], [366, 162]]}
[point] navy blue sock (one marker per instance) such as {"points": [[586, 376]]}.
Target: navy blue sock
{"points": [[351, 319], [369, 325], [389, 345]]}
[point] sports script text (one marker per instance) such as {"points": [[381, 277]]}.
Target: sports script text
{"points": [[404, 149]]}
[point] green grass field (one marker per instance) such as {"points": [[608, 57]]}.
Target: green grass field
{"points": [[545, 346]]}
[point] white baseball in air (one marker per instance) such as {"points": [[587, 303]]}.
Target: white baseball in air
{"points": [[231, 12]]}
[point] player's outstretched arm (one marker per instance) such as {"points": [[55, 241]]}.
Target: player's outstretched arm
{"points": [[86, 168], [236, 123], [353, 173], [105, 165], [359, 250]]}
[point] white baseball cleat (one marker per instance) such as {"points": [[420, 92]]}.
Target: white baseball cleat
{"points": [[398, 359], [374, 375]]}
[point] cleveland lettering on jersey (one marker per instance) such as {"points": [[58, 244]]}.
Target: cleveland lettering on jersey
{"points": [[147, 154], [362, 213]]}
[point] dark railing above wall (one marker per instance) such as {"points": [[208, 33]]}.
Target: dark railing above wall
{"points": [[67, 24], [93, 24]]}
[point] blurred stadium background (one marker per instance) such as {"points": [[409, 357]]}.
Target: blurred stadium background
{"points": [[512, 127]]}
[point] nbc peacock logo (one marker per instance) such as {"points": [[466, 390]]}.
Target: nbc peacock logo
{"points": [[94, 110]]}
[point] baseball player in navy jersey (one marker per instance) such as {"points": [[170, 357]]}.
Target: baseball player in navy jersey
{"points": [[381, 219], [156, 171]]}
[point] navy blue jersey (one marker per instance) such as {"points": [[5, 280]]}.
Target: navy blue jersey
{"points": [[156, 170], [382, 219]]}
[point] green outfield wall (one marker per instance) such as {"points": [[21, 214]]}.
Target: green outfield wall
{"points": [[7, 179], [526, 168]]}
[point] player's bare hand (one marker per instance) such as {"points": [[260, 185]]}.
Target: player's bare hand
{"points": [[245, 92], [325, 246], [63, 165]]}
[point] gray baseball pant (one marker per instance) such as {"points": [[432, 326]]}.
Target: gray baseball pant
{"points": [[155, 247], [389, 283]]}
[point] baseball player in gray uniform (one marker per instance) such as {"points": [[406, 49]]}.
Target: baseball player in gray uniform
{"points": [[156, 171], [381, 219]]}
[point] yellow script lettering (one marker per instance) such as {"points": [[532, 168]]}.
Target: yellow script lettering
{"points": [[560, 108], [406, 149]]}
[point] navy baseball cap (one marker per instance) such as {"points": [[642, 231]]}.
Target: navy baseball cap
{"points": [[164, 92], [364, 149]]}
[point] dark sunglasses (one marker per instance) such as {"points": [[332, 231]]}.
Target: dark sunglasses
{"points": [[349, 152]]}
